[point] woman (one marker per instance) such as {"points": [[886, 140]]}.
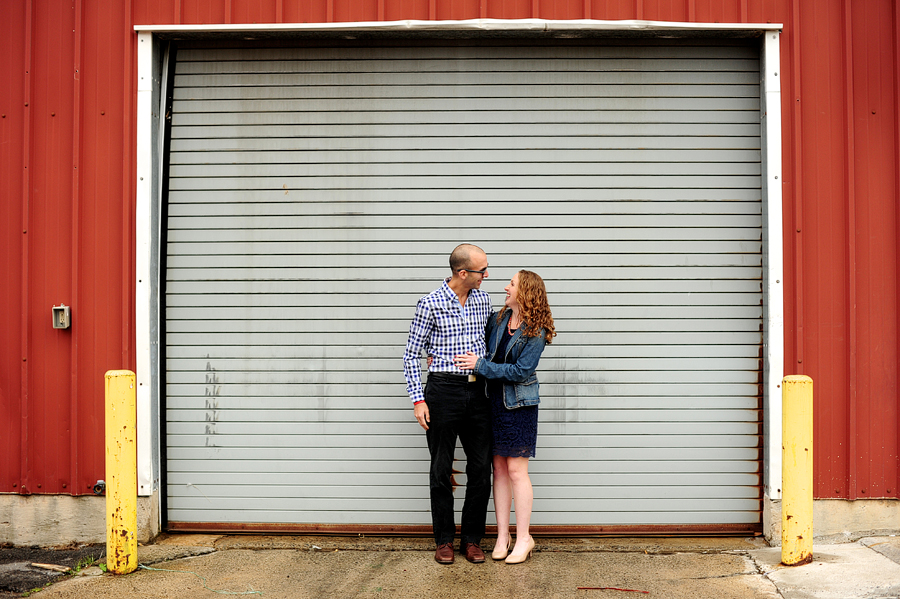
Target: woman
{"points": [[515, 339]]}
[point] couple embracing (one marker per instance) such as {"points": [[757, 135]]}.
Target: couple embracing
{"points": [[481, 389]]}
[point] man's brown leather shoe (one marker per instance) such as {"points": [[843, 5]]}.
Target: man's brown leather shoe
{"points": [[444, 554], [472, 552]]}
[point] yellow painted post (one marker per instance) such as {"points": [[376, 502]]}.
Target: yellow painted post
{"points": [[121, 472], [797, 470]]}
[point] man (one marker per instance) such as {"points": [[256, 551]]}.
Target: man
{"points": [[450, 321]]}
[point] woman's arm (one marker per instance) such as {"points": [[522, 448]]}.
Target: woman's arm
{"points": [[516, 372]]}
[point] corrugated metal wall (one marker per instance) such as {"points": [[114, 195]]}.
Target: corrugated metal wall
{"points": [[841, 234], [66, 216], [66, 210]]}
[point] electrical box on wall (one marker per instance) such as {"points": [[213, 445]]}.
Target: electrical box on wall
{"points": [[62, 317]]}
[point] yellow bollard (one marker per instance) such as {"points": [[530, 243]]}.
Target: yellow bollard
{"points": [[797, 470], [121, 472]]}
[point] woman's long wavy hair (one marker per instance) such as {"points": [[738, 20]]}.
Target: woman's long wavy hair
{"points": [[533, 307]]}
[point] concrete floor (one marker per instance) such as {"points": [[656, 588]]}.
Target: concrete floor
{"points": [[190, 566]]}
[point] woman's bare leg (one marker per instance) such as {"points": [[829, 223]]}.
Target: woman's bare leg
{"points": [[502, 499], [523, 493]]}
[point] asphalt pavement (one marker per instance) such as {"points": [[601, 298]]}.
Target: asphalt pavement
{"points": [[192, 566]]}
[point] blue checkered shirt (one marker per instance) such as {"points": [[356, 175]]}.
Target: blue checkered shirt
{"points": [[443, 329]]}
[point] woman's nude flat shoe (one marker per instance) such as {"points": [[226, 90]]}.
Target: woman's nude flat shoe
{"points": [[518, 559], [500, 552]]}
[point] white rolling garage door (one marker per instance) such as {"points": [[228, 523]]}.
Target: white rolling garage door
{"points": [[315, 195]]}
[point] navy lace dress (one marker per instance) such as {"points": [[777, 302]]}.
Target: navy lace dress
{"points": [[515, 431]]}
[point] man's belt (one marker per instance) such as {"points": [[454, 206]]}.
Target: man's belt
{"points": [[469, 378]]}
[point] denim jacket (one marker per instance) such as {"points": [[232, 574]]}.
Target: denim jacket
{"points": [[520, 383]]}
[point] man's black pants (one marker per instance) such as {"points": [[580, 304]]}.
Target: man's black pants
{"points": [[458, 409]]}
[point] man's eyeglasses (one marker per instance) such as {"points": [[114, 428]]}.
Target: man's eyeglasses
{"points": [[477, 272]]}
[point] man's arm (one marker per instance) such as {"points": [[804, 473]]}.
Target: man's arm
{"points": [[419, 336]]}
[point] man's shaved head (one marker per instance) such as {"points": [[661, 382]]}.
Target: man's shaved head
{"points": [[462, 256]]}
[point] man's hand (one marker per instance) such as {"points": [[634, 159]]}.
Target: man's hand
{"points": [[422, 414], [466, 361]]}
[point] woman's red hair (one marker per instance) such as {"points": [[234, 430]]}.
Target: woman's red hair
{"points": [[533, 306]]}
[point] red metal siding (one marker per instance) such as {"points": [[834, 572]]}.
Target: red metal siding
{"points": [[14, 42], [896, 166], [821, 234], [67, 178], [105, 281], [67, 160], [841, 238], [49, 243], [872, 206]]}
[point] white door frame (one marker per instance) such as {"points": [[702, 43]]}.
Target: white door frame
{"points": [[149, 173]]}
